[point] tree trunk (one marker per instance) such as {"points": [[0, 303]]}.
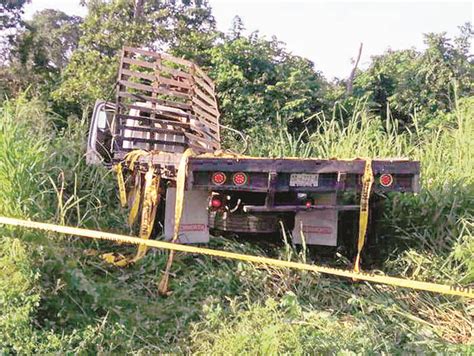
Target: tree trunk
{"points": [[350, 80]]}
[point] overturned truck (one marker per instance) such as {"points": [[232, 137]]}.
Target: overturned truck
{"points": [[165, 113]]}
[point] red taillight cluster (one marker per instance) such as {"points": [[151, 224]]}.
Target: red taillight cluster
{"points": [[218, 178], [216, 203], [238, 179], [386, 180]]}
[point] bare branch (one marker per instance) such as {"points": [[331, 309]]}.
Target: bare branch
{"points": [[350, 80]]}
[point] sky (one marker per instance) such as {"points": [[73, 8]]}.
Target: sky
{"points": [[329, 33]]}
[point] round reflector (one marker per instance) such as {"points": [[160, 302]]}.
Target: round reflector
{"points": [[216, 203], [386, 180], [218, 178], [308, 204], [240, 178]]}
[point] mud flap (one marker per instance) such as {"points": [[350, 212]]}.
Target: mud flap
{"points": [[319, 227], [194, 226]]}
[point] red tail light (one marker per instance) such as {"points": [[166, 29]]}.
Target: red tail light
{"points": [[240, 178], [216, 203], [386, 180], [218, 178], [308, 204]]}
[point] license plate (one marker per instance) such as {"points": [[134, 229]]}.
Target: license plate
{"points": [[304, 180]]}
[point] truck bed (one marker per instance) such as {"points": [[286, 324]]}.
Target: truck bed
{"points": [[274, 173]]}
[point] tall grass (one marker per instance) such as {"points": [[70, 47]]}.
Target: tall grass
{"points": [[42, 177], [24, 149], [60, 297], [430, 235]]}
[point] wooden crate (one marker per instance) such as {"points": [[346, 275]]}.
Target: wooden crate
{"points": [[164, 103]]}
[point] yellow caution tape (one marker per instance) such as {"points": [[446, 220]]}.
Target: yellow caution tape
{"points": [[121, 185], [367, 181], [369, 277]]}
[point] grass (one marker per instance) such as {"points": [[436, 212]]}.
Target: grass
{"points": [[57, 295]]}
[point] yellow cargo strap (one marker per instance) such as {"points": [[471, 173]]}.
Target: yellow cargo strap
{"points": [[178, 212], [369, 277], [131, 157], [149, 203], [135, 199], [121, 185], [367, 181]]}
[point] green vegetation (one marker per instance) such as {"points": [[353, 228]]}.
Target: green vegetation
{"points": [[58, 296]]}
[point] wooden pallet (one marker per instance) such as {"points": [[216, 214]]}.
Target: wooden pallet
{"points": [[164, 103]]}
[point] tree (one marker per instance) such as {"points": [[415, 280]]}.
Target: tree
{"points": [[48, 41], [10, 22], [41, 51], [10, 13], [237, 28], [409, 81], [256, 78]]}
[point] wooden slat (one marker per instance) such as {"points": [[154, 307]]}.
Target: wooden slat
{"points": [[138, 62], [158, 121], [140, 75], [199, 149], [175, 72], [151, 89], [187, 83], [153, 141], [205, 97], [142, 51], [150, 65], [202, 145], [204, 106], [118, 86], [205, 77], [144, 98], [152, 129], [161, 112], [205, 86], [207, 131], [168, 81], [211, 143], [203, 115], [176, 150], [211, 133], [176, 60]]}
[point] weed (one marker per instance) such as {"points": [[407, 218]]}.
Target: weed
{"points": [[57, 295]]}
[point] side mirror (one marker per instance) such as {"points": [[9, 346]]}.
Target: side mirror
{"points": [[99, 143]]}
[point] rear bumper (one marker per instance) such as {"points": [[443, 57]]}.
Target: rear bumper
{"points": [[296, 208]]}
